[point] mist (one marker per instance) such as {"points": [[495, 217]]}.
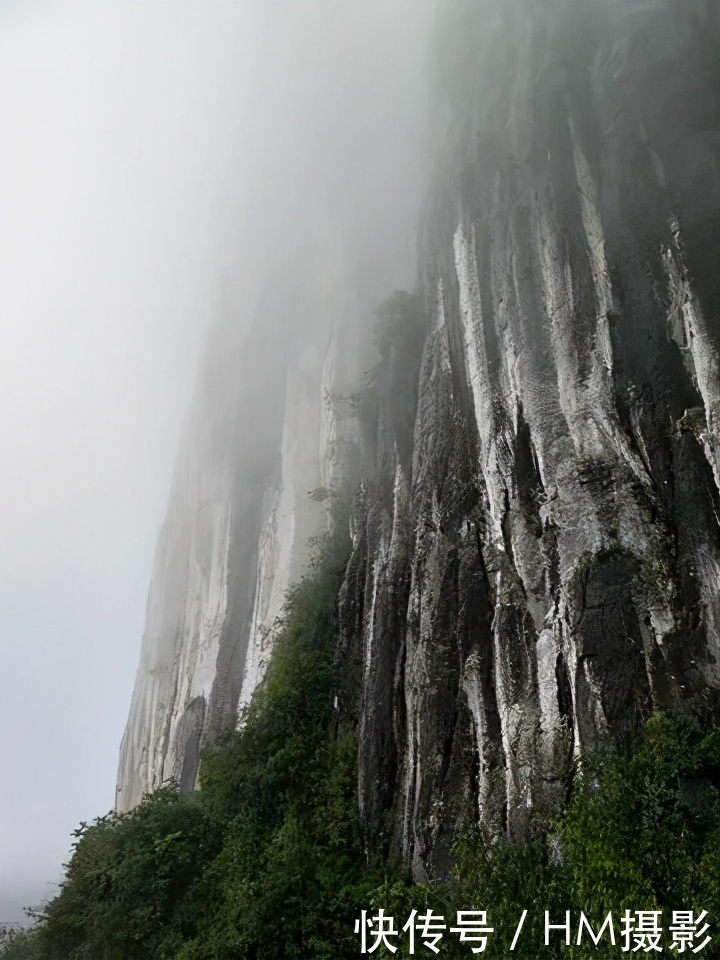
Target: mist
{"points": [[161, 163]]}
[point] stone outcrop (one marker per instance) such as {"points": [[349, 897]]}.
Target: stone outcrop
{"points": [[266, 445], [237, 535], [546, 569], [535, 556]]}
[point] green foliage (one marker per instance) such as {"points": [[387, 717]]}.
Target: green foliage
{"points": [[126, 879], [639, 833], [391, 381], [270, 860], [292, 871], [693, 421], [267, 861], [19, 944]]}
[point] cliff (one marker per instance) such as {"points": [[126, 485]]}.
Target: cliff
{"points": [[536, 550], [236, 535], [545, 570], [264, 449]]}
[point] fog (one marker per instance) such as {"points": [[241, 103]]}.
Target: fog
{"points": [[154, 156]]}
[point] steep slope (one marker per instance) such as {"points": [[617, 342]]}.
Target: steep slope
{"points": [[237, 533], [545, 569], [536, 548], [266, 445]]}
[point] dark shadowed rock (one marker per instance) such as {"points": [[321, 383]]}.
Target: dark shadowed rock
{"points": [[548, 571]]}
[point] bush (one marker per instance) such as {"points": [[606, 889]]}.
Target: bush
{"points": [[19, 944], [267, 860], [292, 871], [638, 834], [126, 880]]}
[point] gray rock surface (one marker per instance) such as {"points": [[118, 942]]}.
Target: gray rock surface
{"points": [[237, 534], [546, 570], [535, 556], [266, 445]]}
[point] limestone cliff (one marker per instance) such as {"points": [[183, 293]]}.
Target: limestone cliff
{"points": [[237, 534], [535, 541], [262, 455], [545, 569]]}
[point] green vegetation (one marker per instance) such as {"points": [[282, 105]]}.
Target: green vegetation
{"points": [[269, 861], [656, 576], [401, 325], [126, 878], [19, 944], [638, 834]]}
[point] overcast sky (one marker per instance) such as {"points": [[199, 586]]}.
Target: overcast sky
{"points": [[151, 153]]}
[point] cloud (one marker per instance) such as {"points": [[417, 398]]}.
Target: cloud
{"points": [[158, 160]]}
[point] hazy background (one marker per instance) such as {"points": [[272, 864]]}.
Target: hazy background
{"points": [[154, 155]]}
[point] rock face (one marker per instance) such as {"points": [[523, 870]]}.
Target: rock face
{"points": [[237, 534], [201, 596], [545, 568], [535, 544], [264, 449]]}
